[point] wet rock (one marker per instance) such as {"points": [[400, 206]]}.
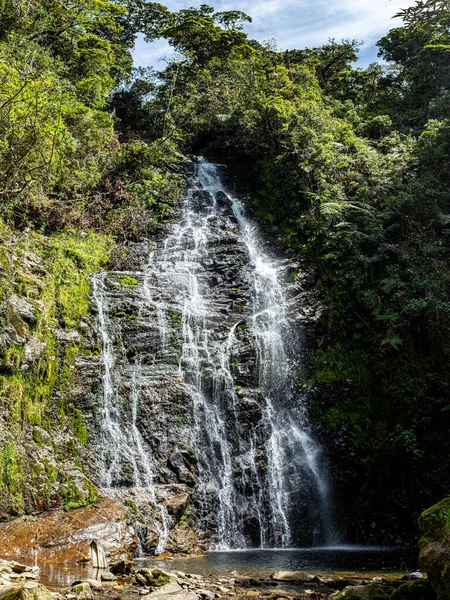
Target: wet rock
{"points": [[174, 497], [65, 536], [18, 567], [5, 587], [30, 591], [293, 576], [123, 567], [82, 591], [414, 590], [107, 576], [361, 592], [155, 577], [94, 583]]}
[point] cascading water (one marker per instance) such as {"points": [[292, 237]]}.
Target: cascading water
{"points": [[259, 472], [201, 359], [122, 444]]}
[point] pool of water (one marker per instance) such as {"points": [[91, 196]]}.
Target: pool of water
{"points": [[365, 560], [355, 559]]}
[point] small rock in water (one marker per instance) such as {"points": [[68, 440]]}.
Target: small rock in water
{"points": [[94, 583], [123, 567], [108, 576], [82, 591], [416, 575], [377, 579]]}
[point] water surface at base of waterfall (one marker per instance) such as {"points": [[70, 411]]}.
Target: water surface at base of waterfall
{"points": [[223, 304], [367, 561]]}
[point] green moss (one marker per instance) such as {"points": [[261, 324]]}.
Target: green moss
{"points": [[434, 523], [79, 426], [12, 476], [414, 590], [127, 281], [131, 505], [74, 498]]}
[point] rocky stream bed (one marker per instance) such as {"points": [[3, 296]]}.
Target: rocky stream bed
{"points": [[126, 580]]}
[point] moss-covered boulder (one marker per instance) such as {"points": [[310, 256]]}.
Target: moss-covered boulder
{"points": [[414, 590], [363, 592], [434, 525], [30, 591]]}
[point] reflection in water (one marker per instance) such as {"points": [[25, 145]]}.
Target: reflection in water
{"points": [[264, 562], [60, 575], [261, 563]]}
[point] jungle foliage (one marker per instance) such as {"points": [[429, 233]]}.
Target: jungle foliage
{"points": [[349, 165]]}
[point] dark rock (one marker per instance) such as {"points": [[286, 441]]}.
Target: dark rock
{"points": [[123, 567], [414, 590], [362, 592], [434, 547]]}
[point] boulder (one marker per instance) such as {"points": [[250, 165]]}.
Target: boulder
{"points": [[414, 590], [155, 577], [294, 576], [434, 558], [30, 591], [123, 567], [82, 591], [108, 576], [171, 591], [361, 592], [94, 583]]}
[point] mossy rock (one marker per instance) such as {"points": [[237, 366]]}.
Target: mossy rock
{"points": [[434, 558], [363, 592], [30, 591], [414, 590]]}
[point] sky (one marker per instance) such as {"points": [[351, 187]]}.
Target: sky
{"points": [[296, 24]]}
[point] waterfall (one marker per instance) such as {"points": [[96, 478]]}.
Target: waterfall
{"points": [[121, 442], [259, 467], [211, 358]]}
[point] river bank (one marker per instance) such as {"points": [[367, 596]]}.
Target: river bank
{"points": [[129, 579]]}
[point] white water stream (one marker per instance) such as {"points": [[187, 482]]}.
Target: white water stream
{"points": [[259, 469], [122, 442]]}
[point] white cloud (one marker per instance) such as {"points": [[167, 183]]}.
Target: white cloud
{"points": [[298, 23]]}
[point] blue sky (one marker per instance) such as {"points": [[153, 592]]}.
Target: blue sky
{"points": [[296, 24]]}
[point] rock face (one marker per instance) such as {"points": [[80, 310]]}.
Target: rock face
{"points": [[61, 536], [192, 399], [173, 394], [434, 525]]}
